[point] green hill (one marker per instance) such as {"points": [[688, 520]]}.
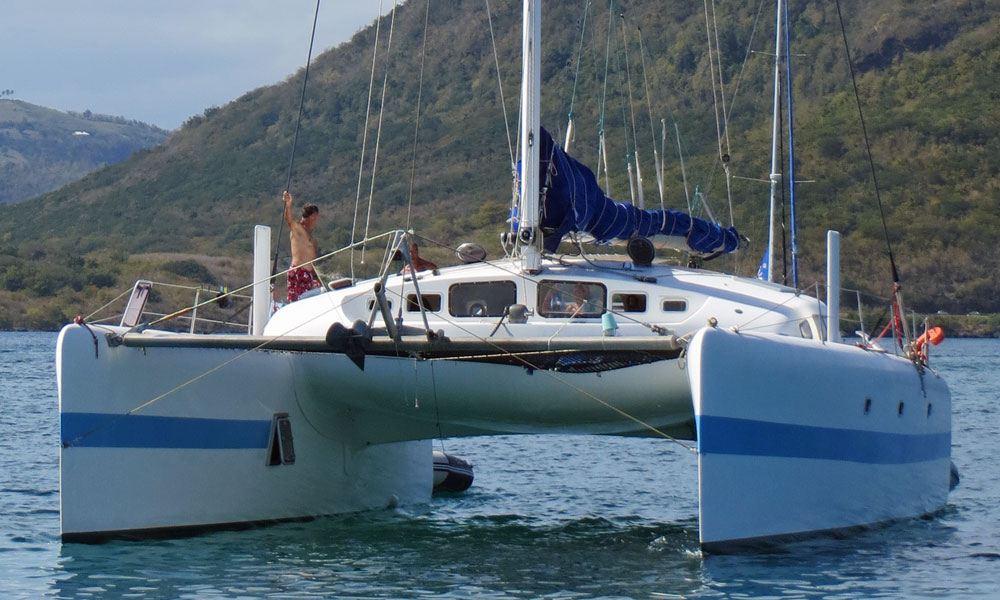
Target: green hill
{"points": [[43, 149], [926, 78]]}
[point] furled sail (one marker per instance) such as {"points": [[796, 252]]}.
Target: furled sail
{"points": [[572, 201]]}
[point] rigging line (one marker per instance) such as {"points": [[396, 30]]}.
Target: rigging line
{"points": [[579, 56], [871, 162], [109, 303], [364, 137], [711, 67], [503, 103], [270, 277], [621, 84], [381, 114], [601, 144], [416, 126], [604, 91], [722, 88], [631, 109], [563, 381], [725, 122], [645, 83], [746, 59], [657, 159], [295, 136]]}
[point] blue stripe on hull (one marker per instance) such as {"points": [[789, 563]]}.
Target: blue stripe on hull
{"points": [[101, 430], [724, 435]]}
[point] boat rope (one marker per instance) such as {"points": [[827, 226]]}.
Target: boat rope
{"points": [[601, 150], [871, 164], [109, 303], [631, 109], [364, 137], [520, 357], [416, 125], [295, 136], [721, 127], [250, 285], [503, 103], [579, 57], [657, 158], [625, 108], [738, 257], [378, 134], [529, 364]]}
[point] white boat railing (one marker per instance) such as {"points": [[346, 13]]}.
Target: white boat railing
{"points": [[147, 301]]}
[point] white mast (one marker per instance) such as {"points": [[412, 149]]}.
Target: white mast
{"points": [[528, 234], [775, 152]]}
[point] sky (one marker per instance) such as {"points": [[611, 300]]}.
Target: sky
{"points": [[162, 61]]}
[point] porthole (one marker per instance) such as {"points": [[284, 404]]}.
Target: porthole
{"points": [[431, 302], [623, 302], [673, 305], [371, 304]]}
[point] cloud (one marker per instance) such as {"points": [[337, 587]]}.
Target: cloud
{"points": [[162, 62]]}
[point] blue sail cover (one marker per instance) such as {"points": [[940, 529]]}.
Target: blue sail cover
{"points": [[573, 201]]}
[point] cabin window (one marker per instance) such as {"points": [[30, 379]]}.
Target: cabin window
{"points": [[571, 299], [481, 299], [628, 302], [432, 302], [674, 305], [371, 303]]}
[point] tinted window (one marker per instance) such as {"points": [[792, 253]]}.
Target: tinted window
{"points": [[628, 302], [432, 302], [675, 305], [571, 299], [481, 299], [371, 303]]}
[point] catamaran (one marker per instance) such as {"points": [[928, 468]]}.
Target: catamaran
{"points": [[329, 404]]}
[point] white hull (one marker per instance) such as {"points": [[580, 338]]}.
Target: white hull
{"points": [[164, 432], [198, 457], [786, 446], [152, 442]]}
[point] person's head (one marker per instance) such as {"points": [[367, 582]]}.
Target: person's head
{"points": [[581, 291], [413, 249], [310, 214]]}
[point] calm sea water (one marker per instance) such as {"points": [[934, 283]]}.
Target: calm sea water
{"points": [[553, 517]]}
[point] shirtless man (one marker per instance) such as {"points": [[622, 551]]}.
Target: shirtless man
{"points": [[421, 264], [304, 249]]}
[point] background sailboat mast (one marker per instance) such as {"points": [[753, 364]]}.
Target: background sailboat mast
{"points": [[528, 236], [775, 150], [791, 152]]}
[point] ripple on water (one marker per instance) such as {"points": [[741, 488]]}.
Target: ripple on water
{"points": [[561, 517]]}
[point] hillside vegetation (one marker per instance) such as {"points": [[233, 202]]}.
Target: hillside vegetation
{"points": [[926, 77], [43, 149]]}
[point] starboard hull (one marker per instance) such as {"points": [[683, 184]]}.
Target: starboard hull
{"points": [[798, 437]]}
